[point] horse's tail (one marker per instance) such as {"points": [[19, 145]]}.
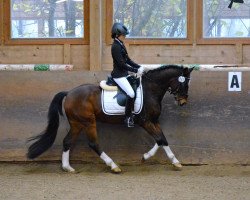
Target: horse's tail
{"points": [[45, 140]]}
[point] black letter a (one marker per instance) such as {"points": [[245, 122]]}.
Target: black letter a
{"points": [[235, 82]]}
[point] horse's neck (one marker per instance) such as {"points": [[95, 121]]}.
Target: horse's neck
{"points": [[154, 90], [159, 84]]}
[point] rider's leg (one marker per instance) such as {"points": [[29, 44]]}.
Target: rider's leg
{"points": [[126, 87], [128, 112]]}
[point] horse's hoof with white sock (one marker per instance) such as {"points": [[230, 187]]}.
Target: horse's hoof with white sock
{"points": [[116, 170], [68, 169], [177, 166]]}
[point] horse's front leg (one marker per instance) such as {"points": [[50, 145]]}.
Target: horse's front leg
{"points": [[154, 130]]}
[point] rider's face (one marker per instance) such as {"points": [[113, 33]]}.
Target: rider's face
{"points": [[122, 37]]}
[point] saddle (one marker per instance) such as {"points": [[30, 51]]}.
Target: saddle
{"points": [[121, 96], [113, 98]]}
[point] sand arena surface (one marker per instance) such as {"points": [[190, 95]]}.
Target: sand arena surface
{"points": [[147, 181]]}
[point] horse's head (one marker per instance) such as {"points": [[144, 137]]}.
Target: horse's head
{"points": [[172, 77], [178, 86]]}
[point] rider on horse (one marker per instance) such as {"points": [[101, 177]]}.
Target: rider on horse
{"points": [[121, 65]]}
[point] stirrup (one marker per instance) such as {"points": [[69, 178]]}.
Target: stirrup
{"points": [[129, 122]]}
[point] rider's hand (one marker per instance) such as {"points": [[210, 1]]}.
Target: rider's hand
{"points": [[140, 71]]}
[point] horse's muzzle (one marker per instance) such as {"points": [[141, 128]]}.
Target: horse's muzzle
{"points": [[182, 102]]}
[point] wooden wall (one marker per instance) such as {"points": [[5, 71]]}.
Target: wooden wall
{"points": [[96, 55]]}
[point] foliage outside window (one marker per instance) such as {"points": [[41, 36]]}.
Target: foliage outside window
{"points": [[221, 22], [152, 18], [47, 19]]}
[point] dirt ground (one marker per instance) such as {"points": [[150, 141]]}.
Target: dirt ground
{"points": [[148, 181]]}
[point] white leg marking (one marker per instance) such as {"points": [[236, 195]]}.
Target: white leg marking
{"points": [[65, 162], [170, 155], [151, 153], [108, 160]]}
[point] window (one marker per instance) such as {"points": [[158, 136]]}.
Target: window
{"points": [[48, 19], [220, 24], [152, 20], [220, 21]]}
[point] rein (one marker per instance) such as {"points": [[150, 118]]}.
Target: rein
{"points": [[151, 79]]}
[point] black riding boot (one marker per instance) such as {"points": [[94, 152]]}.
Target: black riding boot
{"points": [[129, 121]]}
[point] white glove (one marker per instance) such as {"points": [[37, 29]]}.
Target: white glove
{"points": [[140, 71]]}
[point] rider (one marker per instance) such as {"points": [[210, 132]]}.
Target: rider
{"points": [[121, 65]]}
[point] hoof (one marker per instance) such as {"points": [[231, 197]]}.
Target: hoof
{"points": [[177, 166], [143, 160], [116, 170], [69, 169]]}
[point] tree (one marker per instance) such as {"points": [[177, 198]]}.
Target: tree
{"points": [[52, 8], [152, 18], [51, 18]]}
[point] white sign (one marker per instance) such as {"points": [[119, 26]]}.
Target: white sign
{"points": [[234, 81]]}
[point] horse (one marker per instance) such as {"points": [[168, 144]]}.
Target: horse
{"points": [[82, 106]]}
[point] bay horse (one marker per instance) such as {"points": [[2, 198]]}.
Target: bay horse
{"points": [[83, 109]]}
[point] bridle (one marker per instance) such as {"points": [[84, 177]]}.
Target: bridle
{"points": [[181, 80]]}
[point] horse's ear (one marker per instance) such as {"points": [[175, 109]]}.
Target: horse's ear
{"points": [[187, 70], [191, 69]]}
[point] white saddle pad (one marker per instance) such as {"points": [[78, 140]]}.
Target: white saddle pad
{"points": [[111, 107]]}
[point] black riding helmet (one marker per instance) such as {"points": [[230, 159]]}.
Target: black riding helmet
{"points": [[118, 29]]}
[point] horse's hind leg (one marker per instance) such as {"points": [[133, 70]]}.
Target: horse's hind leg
{"points": [[91, 133], [67, 145]]}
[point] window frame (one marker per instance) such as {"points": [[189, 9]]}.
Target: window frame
{"points": [[21, 41], [187, 40], [1, 21], [201, 40]]}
